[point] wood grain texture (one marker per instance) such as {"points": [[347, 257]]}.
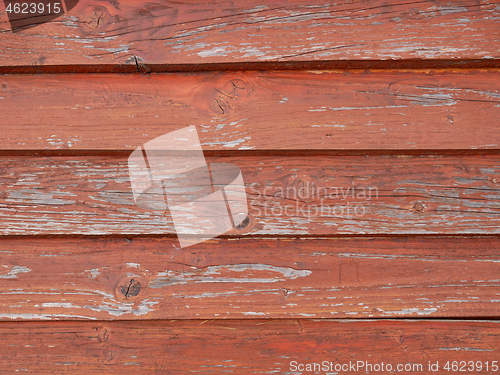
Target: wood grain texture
{"points": [[151, 278], [372, 194], [138, 34], [258, 111], [240, 347]]}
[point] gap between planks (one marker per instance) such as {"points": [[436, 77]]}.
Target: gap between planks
{"points": [[448, 65]]}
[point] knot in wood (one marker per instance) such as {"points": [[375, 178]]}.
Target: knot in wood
{"points": [[244, 224], [132, 286], [93, 20], [248, 224], [103, 334], [132, 289], [419, 207]]}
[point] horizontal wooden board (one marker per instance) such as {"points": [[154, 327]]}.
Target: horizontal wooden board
{"points": [[151, 278], [335, 195], [135, 33], [247, 347], [258, 111]]}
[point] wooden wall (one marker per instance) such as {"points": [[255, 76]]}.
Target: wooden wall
{"points": [[383, 114]]}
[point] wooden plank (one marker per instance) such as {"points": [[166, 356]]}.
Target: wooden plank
{"points": [[133, 33], [151, 278], [245, 347], [257, 111], [336, 195]]}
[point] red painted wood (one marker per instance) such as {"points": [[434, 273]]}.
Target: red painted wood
{"points": [[336, 195], [151, 278], [242, 346], [426, 140], [259, 111], [134, 33]]}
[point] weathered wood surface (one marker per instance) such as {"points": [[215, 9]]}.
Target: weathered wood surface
{"points": [[135, 33], [395, 155], [254, 110], [242, 347], [371, 194], [151, 278]]}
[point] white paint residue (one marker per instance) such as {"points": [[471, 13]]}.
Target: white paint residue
{"points": [[118, 309], [36, 196], [210, 275], [288, 273], [234, 143], [63, 305], [123, 48], [468, 349], [254, 313], [426, 311], [12, 274], [44, 316], [250, 52], [216, 51], [256, 9], [448, 9], [94, 272]]}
